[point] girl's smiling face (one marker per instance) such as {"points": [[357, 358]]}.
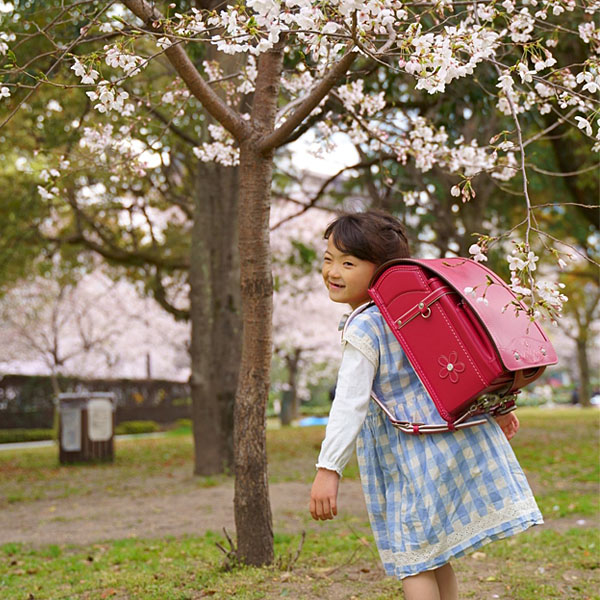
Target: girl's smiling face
{"points": [[346, 277]]}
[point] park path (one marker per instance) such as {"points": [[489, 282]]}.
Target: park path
{"points": [[159, 512], [162, 510]]}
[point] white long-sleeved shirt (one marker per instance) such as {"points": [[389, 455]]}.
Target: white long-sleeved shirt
{"points": [[348, 411]]}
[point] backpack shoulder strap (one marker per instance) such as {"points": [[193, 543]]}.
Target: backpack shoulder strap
{"points": [[406, 426]]}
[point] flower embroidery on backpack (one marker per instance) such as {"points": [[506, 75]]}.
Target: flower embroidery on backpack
{"points": [[450, 367]]}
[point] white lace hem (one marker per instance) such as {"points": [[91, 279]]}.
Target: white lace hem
{"points": [[456, 539]]}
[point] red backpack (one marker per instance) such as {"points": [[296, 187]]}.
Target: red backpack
{"points": [[471, 355]]}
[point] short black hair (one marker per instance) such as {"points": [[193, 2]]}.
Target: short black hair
{"points": [[374, 235]]}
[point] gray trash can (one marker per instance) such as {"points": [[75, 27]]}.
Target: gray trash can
{"points": [[86, 427]]}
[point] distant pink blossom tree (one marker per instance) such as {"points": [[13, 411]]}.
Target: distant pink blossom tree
{"points": [[92, 328]]}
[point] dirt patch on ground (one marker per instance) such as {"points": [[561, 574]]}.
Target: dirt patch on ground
{"points": [[163, 507], [157, 513], [179, 506]]}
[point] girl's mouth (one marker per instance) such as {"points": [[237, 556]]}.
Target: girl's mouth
{"points": [[335, 286]]}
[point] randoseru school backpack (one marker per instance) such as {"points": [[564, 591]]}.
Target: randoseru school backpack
{"points": [[471, 356]]}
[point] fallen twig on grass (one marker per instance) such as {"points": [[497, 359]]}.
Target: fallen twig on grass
{"points": [[344, 564], [287, 562], [231, 557]]}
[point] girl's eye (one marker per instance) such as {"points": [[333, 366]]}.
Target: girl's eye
{"points": [[348, 264]]}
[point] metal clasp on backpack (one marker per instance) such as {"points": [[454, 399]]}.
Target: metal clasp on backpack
{"points": [[426, 304], [427, 313]]}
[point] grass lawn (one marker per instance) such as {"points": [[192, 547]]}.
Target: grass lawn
{"points": [[558, 449]]}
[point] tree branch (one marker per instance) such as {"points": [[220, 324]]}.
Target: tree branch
{"points": [[186, 69], [65, 51], [184, 135], [312, 100], [109, 250], [365, 164], [159, 294]]}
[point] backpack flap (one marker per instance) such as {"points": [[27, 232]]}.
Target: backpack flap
{"points": [[520, 342]]}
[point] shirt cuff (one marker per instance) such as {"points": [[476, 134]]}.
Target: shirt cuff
{"points": [[329, 467]]}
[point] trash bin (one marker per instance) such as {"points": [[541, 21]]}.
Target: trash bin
{"points": [[86, 427]]}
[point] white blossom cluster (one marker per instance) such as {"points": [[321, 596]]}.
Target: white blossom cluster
{"points": [[477, 252], [248, 76], [435, 56], [299, 83], [87, 75], [119, 59], [221, 150], [4, 39], [551, 298], [110, 98], [438, 59], [521, 26], [540, 297], [47, 194], [175, 95], [354, 99], [104, 144], [430, 146]]}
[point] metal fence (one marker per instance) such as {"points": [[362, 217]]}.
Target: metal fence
{"points": [[28, 401]]}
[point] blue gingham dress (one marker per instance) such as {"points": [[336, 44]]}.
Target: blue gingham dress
{"points": [[431, 497]]}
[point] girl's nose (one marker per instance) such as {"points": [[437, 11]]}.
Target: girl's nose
{"points": [[334, 270]]}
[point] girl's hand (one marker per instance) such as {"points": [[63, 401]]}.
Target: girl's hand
{"points": [[323, 495], [509, 424]]}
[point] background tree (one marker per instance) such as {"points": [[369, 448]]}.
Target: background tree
{"points": [[144, 203], [304, 320], [580, 323]]}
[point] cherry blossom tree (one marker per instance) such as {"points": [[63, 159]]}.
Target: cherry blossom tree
{"points": [[92, 328], [297, 54], [147, 206], [304, 318]]}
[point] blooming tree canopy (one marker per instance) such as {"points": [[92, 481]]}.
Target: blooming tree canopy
{"points": [[433, 43]]}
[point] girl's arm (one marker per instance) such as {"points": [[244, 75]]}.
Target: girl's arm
{"points": [[353, 391]]}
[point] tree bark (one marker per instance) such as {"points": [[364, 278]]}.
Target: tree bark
{"points": [[253, 518], [584, 372], [215, 317]]}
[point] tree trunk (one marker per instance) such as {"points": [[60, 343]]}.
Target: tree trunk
{"points": [[253, 519], [292, 359], [584, 372], [215, 317], [226, 347]]}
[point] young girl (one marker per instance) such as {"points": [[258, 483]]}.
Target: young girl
{"points": [[432, 497]]}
